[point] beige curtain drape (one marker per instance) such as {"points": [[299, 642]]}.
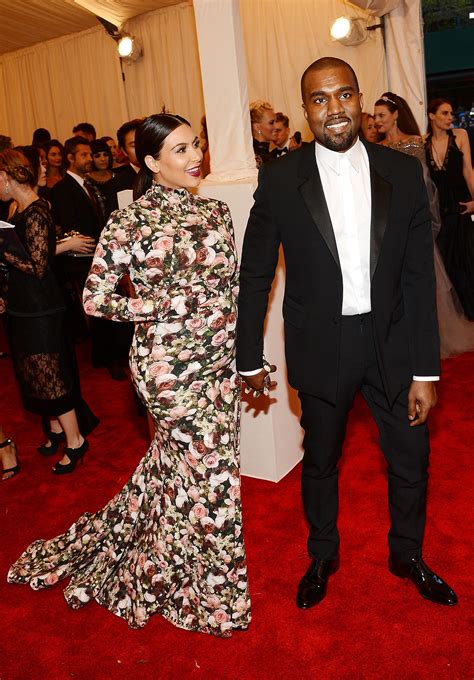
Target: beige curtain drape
{"points": [[64, 81], [59, 83], [283, 37], [169, 73]]}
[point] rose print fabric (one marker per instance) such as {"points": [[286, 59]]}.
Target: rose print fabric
{"points": [[171, 540]]}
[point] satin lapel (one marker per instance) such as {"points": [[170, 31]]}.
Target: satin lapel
{"points": [[313, 195], [381, 191]]}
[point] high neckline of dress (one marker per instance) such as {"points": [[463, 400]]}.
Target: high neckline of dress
{"points": [[159, 191]]}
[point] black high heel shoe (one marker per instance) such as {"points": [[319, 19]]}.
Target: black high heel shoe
{"points": [[55, 439], [16, 468], [74, 455]]}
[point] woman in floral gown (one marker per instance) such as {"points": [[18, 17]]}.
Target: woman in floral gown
{"points": [[171, 541]]}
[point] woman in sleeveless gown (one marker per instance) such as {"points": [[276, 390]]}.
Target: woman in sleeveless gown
{"points": [[449, 160], [455, 330], [170, 541]]}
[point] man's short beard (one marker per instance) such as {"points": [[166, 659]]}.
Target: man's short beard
{"points": [[340, 142]]}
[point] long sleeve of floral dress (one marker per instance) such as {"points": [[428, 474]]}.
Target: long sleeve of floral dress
{"points": [[163, 261]]}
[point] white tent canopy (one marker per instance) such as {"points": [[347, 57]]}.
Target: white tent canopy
{"points": [[58, 82]]}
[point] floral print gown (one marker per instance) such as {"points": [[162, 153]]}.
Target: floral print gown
{"points": [[171, 541]]}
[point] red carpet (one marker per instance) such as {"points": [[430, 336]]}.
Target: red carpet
{"points": [[371, 625]]}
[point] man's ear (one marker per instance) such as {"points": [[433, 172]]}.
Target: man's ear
{"points": [[304, 111], [71, 157], [361, 99]]}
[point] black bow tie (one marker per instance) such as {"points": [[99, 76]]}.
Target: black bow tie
{"points": [[281, 152]]}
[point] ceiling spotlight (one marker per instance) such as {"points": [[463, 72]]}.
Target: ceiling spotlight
{"points": [[340, 28], [129, 48], [349, 31]]}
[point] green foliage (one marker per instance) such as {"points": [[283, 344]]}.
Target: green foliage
{"points": [[439, 15]]}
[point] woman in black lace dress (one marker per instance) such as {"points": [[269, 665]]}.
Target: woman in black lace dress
{"points": [[42, 355], [449, 159]]}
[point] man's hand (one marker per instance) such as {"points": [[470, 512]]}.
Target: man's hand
{"points": [[421, 399], [260, 383]]}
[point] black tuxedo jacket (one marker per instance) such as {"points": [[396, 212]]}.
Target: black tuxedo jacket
{"points": [[73, 209], [290, 209]]}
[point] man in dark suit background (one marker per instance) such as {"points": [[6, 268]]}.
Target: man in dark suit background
{"points": [[127, 174], [284, 143], [74, 207], [359, 311]]}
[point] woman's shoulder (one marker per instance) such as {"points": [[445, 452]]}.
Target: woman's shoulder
{"points": [[207, 203], [38, 207], [134, 214], [460, 135]]}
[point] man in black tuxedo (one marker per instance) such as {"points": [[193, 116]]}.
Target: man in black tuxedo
{"points": [[126, 175], [359, 311], [75, 209], [73, 203], [284, 143]]}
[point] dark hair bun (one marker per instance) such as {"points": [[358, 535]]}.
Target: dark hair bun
{"points": [[21, 173]]}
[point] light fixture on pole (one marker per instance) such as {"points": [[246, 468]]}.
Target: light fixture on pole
{"points": [[351, 32], [129, 48]]}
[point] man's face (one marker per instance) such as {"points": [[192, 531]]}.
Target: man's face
{"points": [[86, 135], [81, 161], [281, 133], [129, 147], [333, 107]]}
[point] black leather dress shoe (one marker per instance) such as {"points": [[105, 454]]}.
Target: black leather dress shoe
{"points": [[429, 584], [313, 586]]}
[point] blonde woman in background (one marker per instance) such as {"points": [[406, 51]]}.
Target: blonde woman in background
{"points": [[262, 119]]}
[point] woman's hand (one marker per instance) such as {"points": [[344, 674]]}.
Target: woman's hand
{"points": [[77, 244], [81, 244], [468, 207]]}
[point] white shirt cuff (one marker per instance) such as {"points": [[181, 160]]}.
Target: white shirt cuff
{"points": [[254, 372], [426, 378]]}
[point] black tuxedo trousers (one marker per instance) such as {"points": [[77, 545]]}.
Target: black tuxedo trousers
{"points": [[406, 449]]}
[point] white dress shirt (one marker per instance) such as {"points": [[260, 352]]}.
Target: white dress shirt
{"points": [[346, 184]]}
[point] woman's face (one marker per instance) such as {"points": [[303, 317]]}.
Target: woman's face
{"points": [[266, 126], [42, 157], [443, 118], [101, 160], [179, 163], [369, 130], [385, 120], [112, 144], [55, 157], [41, 181]]}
